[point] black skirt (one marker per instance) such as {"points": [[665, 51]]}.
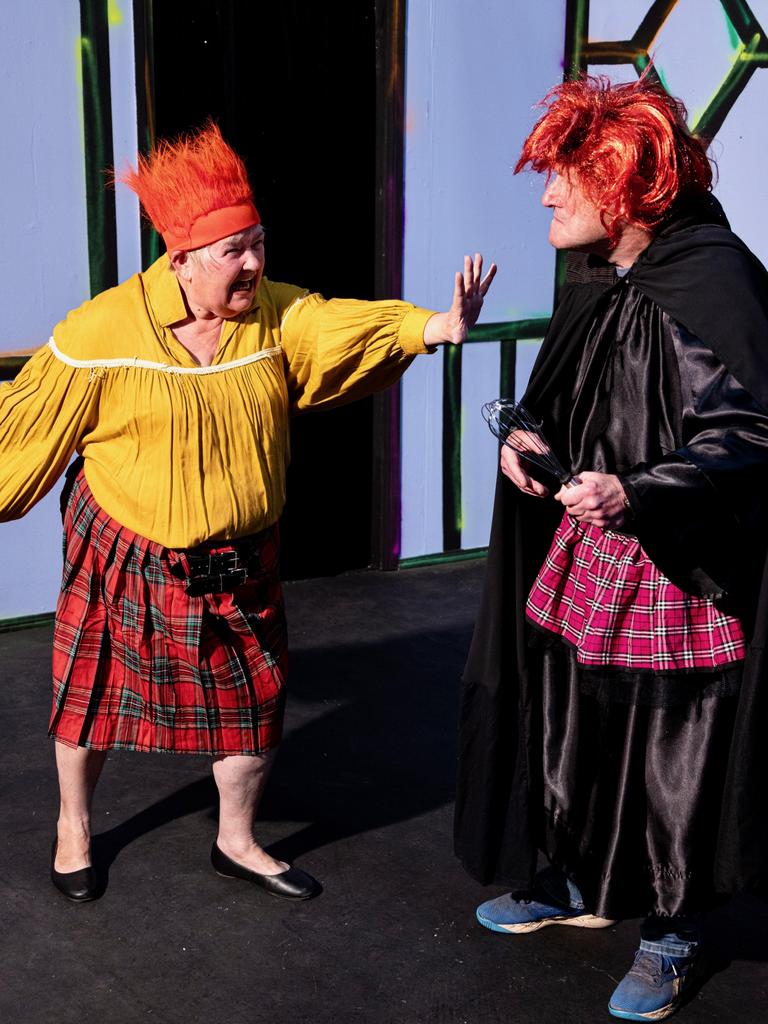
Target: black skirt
{"points": [[628, 771]]}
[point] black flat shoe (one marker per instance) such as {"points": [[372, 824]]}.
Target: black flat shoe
{"points": [[78, 886], [293, 884]]}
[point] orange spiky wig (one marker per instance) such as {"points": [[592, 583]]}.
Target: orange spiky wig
{"points": [[627, 146], [194, 189]]}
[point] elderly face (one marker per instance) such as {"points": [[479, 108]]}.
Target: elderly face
{"points": [[221, 280], [576, 222]]}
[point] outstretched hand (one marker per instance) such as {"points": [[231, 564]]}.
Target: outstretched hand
{"points": [[469, 290]]}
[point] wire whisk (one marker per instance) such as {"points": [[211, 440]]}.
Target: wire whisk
{"points": [[514, 426]]}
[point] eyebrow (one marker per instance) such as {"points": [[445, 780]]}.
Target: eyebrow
{"points": [[243, 238]]}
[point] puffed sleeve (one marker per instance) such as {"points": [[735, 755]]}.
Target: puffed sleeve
{"points": [[338, 350], [725, 447], [705, 503], [44, 413]]}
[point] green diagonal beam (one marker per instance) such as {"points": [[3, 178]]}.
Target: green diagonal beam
{"points": [[649, 27], [711, 121], [743, 19]]}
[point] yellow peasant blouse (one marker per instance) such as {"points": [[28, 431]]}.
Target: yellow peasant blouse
{"points": [[177, 452]]}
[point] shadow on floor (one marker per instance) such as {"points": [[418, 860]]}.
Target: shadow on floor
{"points": [[372, 743]]}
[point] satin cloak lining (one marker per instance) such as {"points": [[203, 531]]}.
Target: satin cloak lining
{"points": [[630, 792]]}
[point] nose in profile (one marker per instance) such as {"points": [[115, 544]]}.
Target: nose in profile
{"points": [[553, 192]]}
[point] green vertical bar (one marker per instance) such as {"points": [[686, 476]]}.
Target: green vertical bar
{"points": [[574, 64], [97, 135], [143, 14], [390, 25], [507, 369], [451, 448], [576, 37]]}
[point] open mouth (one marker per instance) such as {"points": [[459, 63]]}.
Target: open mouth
{"points": [[245, 287]]}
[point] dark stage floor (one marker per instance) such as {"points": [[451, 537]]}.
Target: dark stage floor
{"points": [[361, 797]]}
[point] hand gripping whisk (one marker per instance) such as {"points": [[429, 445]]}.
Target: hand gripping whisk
{"points": [[514, 426]]}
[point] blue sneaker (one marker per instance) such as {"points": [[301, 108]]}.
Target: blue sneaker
{"points": [[516, 914], [653, 987]]}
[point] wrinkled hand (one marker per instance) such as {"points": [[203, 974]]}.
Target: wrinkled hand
{"points": [[468, 293], [598, 499], [513, 464]]}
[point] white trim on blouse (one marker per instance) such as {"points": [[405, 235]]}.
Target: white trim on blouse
{"points": [[146, 364]]}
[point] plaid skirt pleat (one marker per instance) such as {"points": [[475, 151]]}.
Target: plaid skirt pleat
{"points": [[138, 664], [601, 593]]}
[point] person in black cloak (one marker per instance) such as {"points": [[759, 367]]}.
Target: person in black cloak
{"points": [[615, 695]]}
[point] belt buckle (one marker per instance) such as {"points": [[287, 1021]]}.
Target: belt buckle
{"points": [[236, 577], [222, 563]]}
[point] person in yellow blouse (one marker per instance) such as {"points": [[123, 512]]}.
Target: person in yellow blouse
{"points": [[175, 389]]}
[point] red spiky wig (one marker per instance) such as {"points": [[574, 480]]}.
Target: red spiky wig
{"points": [[627, 146], [194, 189]]}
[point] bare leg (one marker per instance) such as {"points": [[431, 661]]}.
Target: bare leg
{"points": [[240, 780], [79, 770]]}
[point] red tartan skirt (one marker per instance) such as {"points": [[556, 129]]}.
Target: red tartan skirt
{"points": [[138, 664], [603, 595]]}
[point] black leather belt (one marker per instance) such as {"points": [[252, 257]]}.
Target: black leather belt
{"points": [[217, 572], [214, 574]]}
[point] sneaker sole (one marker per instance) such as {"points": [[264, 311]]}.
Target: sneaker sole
{"points": [[582, 921], [662, 1014]]}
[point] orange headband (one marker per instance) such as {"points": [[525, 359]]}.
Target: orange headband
{"points": [[212, 226]]}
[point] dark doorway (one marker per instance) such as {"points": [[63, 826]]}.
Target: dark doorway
{"points": [[293, 87]]}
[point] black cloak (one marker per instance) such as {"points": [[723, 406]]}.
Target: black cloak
{"points": [[701, 514]]}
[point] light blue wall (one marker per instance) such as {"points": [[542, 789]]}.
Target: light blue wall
{"points": [[44, 256], [473, 75]]}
